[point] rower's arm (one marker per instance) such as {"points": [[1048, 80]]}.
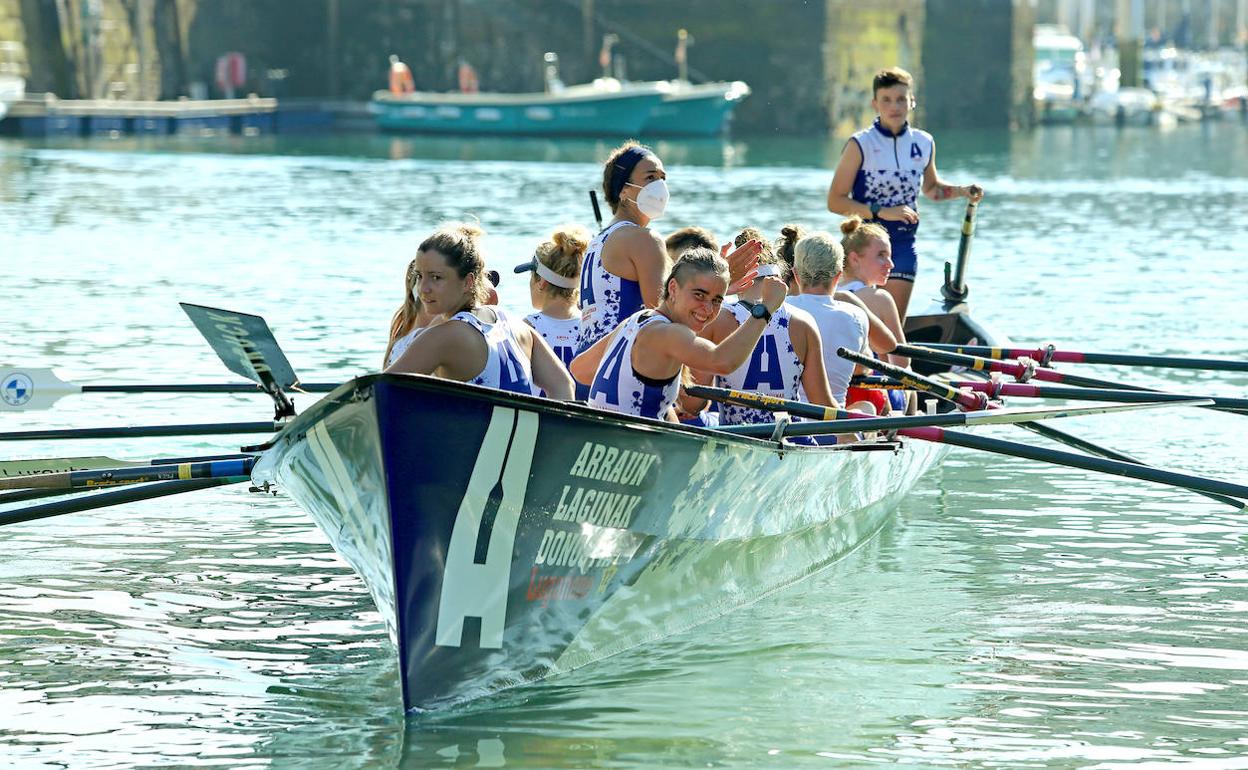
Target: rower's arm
{"points": [[938, 189], [879, 336], [649, 258], [585, 365], [814, 375], [839, 200], [882, 305]]}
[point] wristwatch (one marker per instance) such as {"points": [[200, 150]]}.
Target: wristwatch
{"points": [[757, 310], [875, 210]]}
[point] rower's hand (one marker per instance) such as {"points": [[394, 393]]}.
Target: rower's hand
{"points": [[973, 192], [741, 263], [899, 214], [774, 292]]}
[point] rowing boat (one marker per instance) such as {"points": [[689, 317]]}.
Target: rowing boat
{"points": [[506, 538]]}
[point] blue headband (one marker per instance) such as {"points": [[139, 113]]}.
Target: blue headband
{"points": [[624, 166]]}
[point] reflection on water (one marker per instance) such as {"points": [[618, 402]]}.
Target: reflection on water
{"points": [[1011, 614]]}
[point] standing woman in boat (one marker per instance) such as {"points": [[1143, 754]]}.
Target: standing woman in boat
{"points": [[554, 270], [637, 368], [881, 172], [476, 343], [787, 360], [626, 261]]}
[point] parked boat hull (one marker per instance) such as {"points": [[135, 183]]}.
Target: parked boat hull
{"points": [[695, 110], [506, 538], [583, 112]]}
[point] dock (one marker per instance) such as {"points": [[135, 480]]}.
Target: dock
{"points": [[46, 115]]}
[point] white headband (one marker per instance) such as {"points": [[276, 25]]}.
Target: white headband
{"points": [[765, 271], [553, 278]]}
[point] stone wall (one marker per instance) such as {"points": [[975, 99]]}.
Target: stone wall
{"points": [[809, 62]]}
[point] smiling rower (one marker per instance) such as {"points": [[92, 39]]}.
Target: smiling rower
{"points": [[636, 368]]}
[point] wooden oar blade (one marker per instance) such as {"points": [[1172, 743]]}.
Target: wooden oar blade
{"points": [[15, 468], [244, 343], [25, 389]]}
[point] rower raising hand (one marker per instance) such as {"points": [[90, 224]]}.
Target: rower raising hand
{"points": [[742, 264]]}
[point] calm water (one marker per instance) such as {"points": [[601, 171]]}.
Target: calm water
{"points": [[1010, 615]]}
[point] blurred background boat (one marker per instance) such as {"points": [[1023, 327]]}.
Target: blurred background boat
{"points": [[12, 84]]}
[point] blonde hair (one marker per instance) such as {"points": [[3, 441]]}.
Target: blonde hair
{"points": [[818, 259], [563, 253], [405, 317], [768, 255], [856, 234]]}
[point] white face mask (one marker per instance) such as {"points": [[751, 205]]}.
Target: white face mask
{"points": [[652, 200]]}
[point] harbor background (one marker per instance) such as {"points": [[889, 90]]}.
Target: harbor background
{"points": [[1009, 614], [809, 63]]}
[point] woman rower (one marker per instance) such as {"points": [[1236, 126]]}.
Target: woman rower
{"points": [[411, 318], [818, 262], [477, 344], [787, 360], [626, 261], [636, 368], [868, 263], [554, 270]]}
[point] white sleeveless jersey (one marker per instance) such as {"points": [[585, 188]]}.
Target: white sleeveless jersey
{"points": [[506, 366], [841, 325], [402, 344], [773, 369], [617, 387], [892, 169], [605, 298], [560, 333]]}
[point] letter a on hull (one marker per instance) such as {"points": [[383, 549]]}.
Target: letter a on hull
{"points": [[500, 478]]}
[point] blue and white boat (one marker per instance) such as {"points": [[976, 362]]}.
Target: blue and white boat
{"points": [[507, 538], [584, 110]]}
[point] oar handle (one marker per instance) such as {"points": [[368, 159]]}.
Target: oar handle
{"points": [[964, 399]]}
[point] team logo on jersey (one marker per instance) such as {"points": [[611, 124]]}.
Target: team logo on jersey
{"points": [[915, 152]]}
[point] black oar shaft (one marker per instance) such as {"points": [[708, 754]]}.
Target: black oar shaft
{"points": [[208, 387], [103, 477], [114, 497], [1068, 439], [1070, 459], [916, 381], [1113, 359], [139, 431]]}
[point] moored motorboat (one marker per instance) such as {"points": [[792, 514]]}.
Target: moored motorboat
{"points": [[576, 110], [694, 109]]}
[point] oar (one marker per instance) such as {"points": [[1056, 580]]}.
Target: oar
{"points": [[104, 477], [1030, 390], [996, 389], [1023, 371], [915, 381], [998, 446], [24, 389], [850, 422], [954, 289], [140, 431], [10, 468], [114, 497], [1075, 357]]}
